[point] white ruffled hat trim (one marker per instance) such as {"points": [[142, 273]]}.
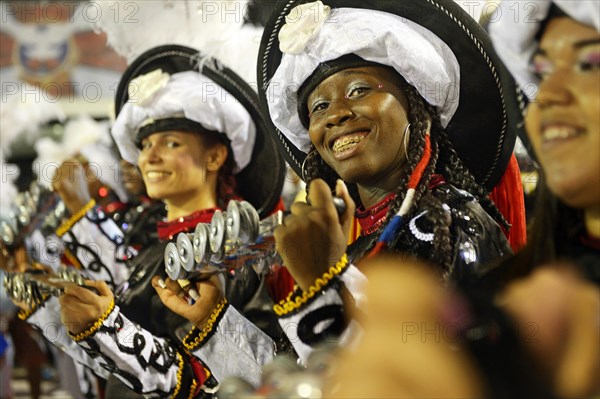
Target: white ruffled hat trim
{"points": [[199, 99], [421, 57], [515, 38]]}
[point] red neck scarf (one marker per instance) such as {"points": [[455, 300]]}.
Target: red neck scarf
{"points": [[169, 230], [372, 219]]}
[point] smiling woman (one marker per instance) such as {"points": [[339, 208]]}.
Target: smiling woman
{"points": [[182, 170], [561, 57], [414, 116], [563, 123], [347, 143], [194, 129]]}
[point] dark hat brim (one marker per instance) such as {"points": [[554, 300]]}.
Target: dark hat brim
{"points": [[483, 129], [261, 181]]}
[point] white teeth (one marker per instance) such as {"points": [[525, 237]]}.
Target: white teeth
{"points": [[347, 142], [155, 175], [559, 132]]}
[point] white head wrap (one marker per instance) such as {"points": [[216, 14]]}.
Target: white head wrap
{"points": [[314, 35], [192, 95]]}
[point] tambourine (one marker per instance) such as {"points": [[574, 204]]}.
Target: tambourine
{"points": [[33, 209], [233, 238], [34, 285]]}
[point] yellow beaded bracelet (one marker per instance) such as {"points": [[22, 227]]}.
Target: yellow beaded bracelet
{"points": [[24, 314], [210, 324], [193, 389], [290, 304], [67, 224], [179, 374], [95, 326]]}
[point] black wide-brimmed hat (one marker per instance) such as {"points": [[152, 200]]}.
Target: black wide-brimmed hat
{"points": [[260, 180], [482, 124]]}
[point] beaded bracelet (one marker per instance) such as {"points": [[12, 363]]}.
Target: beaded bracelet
{"points": [[24, 314], [290, 304], [179, 375], [67, 224], [208, 328], [94, 327]]}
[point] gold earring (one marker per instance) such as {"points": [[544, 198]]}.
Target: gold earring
{"points": [[405, 139]]}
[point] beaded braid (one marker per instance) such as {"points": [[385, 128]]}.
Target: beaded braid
{"points": [[436, 215]]}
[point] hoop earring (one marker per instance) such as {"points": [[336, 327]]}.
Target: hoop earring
{"points": [[405, 140], [302, 170]]}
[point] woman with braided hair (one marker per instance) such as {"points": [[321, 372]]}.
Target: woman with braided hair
{"points": [[407, 116]]}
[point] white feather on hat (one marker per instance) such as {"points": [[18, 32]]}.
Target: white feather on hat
{"points": [[216, 28]]}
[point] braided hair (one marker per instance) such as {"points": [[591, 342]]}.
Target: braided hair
{"points": [[444, 161]]}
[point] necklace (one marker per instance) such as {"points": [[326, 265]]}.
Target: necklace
{"points": [[373, 218]]}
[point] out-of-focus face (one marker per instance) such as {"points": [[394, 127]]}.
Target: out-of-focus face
{"points": [[132, 178], [563, 123], [174, 165], [357, 120]]}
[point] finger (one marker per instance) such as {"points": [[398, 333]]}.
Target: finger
{"points": [[299, 208], [289, 220], [166, 296], [82, 294], [320, 197], [210, 287], [72, 304], [189, 289], [174, 286], [158, 283], [341, 190], [101, 286]]}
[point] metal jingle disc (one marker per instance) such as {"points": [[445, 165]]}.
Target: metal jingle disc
{"points": [[6, 233], [217, 231], [78, 278], [217, 257], [36, 192], [37, 295], [233, 222], [62, 272], [23, 217], [186, 251], [172, 262], [245, 226], [29, 292], [69, 275], [30, 203], [252, 220], [18, 289], [201, 243]]}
